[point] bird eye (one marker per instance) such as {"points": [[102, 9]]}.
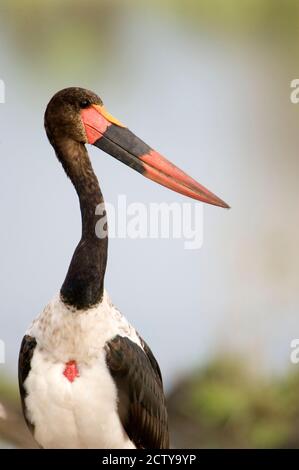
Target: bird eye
{"points": [[84, 103]]}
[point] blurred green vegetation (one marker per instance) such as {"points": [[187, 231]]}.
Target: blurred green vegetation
{"points": [[13, 430], [58, 33], [64, 35], [8, 390], [251, 15], [224, 405], [256, 16]]}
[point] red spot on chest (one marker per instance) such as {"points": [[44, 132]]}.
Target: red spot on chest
{"points": [[71, 371]]}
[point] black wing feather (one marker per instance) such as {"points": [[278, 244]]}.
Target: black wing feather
{"points": [[26, 352], [141, 398]]}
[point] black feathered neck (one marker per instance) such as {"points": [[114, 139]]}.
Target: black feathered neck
{"points": [[84, 283]]}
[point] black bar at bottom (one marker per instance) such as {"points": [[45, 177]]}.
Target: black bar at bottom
{"points": [[137, 458]]}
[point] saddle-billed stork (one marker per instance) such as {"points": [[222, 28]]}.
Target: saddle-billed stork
{"points": [[87, 379]]}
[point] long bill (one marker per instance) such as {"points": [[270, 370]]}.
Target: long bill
{"points": [[111, 136]]}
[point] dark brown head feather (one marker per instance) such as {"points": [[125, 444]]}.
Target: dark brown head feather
{"points": [[83, 286]]}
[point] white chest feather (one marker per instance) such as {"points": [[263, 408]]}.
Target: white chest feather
{"points": [[81, 413]]}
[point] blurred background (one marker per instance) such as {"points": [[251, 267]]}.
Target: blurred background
{"points": [[208, 84]]}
